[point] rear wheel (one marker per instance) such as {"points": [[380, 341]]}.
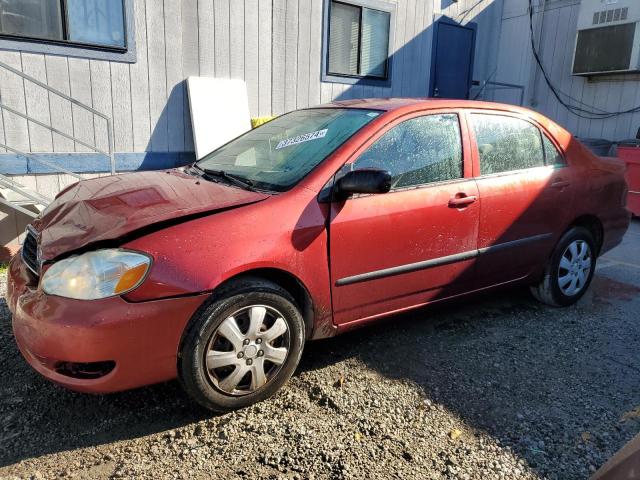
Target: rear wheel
{"points": [[569, 270], [243, 347]]}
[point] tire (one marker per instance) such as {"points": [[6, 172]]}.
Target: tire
{"points": [[566, 277], [233, 334]]}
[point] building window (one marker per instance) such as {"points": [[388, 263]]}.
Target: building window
{"points": [[357, 39], [89, 23]]}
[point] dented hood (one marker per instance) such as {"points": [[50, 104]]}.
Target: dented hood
{"points": [[107, 208]]}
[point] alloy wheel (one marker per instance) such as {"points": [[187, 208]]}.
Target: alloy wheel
{"points": [[574, 268], [247, 350]]}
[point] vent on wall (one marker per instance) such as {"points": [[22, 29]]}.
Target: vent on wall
{"points": [[607, 37], [608, 16]]}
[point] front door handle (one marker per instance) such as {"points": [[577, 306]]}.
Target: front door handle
{"points": [[560, 184], [461, 200]]}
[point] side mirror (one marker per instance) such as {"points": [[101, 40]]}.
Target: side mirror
{"points": [[367, 180]]}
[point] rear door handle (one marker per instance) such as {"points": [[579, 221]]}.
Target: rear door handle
{"points": [[461, 200], [560, 184]]}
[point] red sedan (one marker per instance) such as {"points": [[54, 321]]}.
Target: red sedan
{"points": [[320, 221]]}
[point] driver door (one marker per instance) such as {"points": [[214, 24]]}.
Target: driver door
{"points": [[417, 243]]}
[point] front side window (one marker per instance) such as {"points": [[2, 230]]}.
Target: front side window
{"points": [[278, 154], [506, 143], [418, 151], [84, 22], [358, 41]]}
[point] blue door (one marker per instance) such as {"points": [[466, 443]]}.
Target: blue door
{"points": [[452, 59]]}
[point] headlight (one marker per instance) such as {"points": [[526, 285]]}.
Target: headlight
{"points": [[98, 274]]}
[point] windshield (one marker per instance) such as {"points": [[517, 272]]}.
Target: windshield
{"points": [[278, 154]]}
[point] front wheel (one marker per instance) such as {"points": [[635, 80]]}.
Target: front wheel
{"points": [[243, 347], [569, 270]]}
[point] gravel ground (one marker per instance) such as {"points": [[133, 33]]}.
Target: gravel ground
{"points": [[495, 387]]}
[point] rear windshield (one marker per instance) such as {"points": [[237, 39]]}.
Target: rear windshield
{"points": [[278, 154]]}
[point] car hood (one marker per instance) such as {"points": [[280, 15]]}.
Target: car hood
{"points": [[107, 208]]}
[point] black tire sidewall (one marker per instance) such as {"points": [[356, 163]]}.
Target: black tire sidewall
{"points": [[191, 369], [576, 233]]}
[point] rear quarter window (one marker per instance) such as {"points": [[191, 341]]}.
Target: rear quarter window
{"points": [[551, 154], [507, 143]]}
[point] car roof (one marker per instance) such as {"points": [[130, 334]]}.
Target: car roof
{"points": [[401, 106], [390, 104]]}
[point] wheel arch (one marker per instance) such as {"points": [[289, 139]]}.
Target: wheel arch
{"points": [[594, 225], [284, 279]]}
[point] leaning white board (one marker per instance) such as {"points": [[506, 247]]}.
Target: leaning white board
{"points": [[219, 111]]}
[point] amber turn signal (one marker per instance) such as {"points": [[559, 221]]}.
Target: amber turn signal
{"points": [[130, 279]]}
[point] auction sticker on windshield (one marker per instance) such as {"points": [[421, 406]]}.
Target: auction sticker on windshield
{"points": [[306, 137]]}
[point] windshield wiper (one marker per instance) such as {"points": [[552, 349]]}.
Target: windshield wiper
{"points": [[230, 177]]}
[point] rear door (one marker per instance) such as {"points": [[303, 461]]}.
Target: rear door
{"points": [[416, 243], [526, 194]]}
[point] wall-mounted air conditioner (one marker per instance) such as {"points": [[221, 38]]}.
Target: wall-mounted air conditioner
{"points": [[608, 38]]}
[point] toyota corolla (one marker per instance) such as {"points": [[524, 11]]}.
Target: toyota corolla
{"points": [[320, 221]]}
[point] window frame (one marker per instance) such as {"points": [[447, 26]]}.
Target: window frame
{"points": [[326, 75], [72, 48], [464, 149], [553, 143], [541, 132]]}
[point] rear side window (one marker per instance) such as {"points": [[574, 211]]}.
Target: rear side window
{"points": [[418, 151], [507, 143], [551, 154]]}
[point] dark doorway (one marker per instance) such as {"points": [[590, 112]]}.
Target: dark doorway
{"points": [[452, 59]]}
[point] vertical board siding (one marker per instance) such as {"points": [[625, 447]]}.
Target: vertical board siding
{"points": [[304, 39], [190, 61], [2, 136], [278, 56], [315, 53], [206, 37], [37, 104], [548, 50], [157, 75], [236, 40], [627, 99], [409, 48], [251, 54], [122, 121], [190, 38], [80, 89], [276, 47], [175, 84], [221, 21], [265, 12], [566, 85], [399, 52], [139, 73], [60, 108], [291, 56], [556, 46], [101, 94]]}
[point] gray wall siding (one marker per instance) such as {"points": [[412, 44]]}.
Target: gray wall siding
{"points": [[556, 34], [274, 45]]}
